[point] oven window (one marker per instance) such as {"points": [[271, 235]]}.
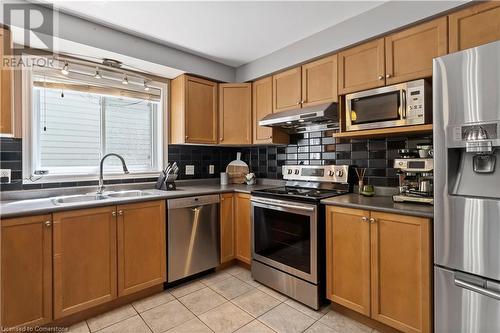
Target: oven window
{"points": [[283, 237], [376, 108]]}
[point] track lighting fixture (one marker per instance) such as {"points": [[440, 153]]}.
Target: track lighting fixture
{"points": [[125, 79], [146, 87], [97, 74], [65, 69]]}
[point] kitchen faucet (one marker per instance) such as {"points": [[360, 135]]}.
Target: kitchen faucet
{"points": [[100, 188]]}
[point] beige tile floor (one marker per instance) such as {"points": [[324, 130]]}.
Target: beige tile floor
{"points": [[225, 301]]}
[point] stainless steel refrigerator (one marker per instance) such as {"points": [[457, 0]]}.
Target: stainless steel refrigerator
{"points": [[466, 94]]}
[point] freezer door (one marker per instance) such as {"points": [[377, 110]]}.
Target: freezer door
{"points": [[465, 303]]}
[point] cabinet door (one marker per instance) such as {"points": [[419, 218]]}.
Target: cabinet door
{"points": [[242, 227], [226, 227], [362, 67], [348, 258], [400, 271], [26, 271], [235, 113], [6, 116], [319, 81], [200, 110], [287, 89], [141, 246], [84, 259], [409, 53], [474, 26]]}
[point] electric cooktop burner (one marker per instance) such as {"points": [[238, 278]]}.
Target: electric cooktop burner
{"points": [[302, 192]]}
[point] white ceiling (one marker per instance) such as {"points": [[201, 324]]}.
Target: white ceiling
{"points": [[231, 32]]}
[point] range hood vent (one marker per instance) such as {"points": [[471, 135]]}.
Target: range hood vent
{"points": [[314, 118]]}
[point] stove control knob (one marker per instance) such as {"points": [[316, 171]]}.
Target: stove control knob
{"points": [[339, 173], [331, 173], [289, 171]]}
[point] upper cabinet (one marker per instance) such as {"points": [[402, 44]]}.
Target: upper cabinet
{"points": [[235, 113], [362, 67], [193, 111], [473, 26], [262, 105], [6, 116], [409, 53], [319, 81], [287, 90]]}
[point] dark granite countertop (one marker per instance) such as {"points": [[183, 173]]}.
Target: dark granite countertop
{"points": [[381, 204], [25, 207]]}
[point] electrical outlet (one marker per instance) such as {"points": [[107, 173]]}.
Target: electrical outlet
{"points": [[211, 169], [189, 170], [5, 176]]}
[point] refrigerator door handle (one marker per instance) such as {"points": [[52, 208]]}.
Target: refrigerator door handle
{"points": [[477, 289]]}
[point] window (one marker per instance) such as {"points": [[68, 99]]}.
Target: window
{"points": [[74, 124]]}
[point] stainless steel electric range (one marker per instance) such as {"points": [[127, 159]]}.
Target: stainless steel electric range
{"points": [[288, 231]]}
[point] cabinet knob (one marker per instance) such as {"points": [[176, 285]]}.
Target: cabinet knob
{"points": [[388, 75], [120, 212], [298, 103], [364, 219], [373, 220], [380, 77], [187, 137], [270, 136], [302, 102], [47, 223], [113, 213], [221, 139]]}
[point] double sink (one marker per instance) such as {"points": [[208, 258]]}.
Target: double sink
{"points": [[92, 197]]}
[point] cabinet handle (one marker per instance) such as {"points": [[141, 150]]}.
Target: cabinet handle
{"points": [[364, 219], [47, 223], [380, 77], [388, 75], [113, 213], [373, 220], [120, 212]]}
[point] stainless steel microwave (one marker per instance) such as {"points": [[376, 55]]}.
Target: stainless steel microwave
{"points": [[402, 104]]}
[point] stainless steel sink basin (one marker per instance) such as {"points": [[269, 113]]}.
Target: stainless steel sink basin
{"points": [[78, 198], [128, 194]]}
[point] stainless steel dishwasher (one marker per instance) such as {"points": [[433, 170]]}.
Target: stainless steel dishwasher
{"points": [[193, 235]]}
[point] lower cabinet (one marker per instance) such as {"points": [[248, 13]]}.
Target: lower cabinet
{"points": [[242, 224], [226, 227], [141, 246], [235, 227], [379, 264], [26, 260], [85, 270], [103, 253]]}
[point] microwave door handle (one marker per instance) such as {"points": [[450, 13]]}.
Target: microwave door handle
{"points": [[403, 104]]}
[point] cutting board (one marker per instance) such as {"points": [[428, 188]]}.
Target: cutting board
{"points": [[237, 170]]}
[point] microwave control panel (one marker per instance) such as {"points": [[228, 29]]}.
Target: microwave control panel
{"points": [[415, 103]]}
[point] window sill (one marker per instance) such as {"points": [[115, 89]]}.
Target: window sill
{"points": [[83, 178]]}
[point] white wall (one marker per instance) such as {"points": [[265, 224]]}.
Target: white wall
{"points": [[381, 19]]}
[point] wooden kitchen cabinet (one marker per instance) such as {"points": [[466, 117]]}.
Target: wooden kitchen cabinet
{"points": [[287, 90], [235, 113], [6, 114], [409, 53], [84, 259], [26, 260], [474, 26], [379, 264], [193, 111], [242, 226], [141, 238], [348, 258], [227, 232], [319, 81], [262, 105], [401, 271], [362, 67]]}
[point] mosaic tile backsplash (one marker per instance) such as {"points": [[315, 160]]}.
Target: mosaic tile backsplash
{"points": [[316, 148]]}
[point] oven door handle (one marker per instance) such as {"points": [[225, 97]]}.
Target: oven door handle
{"points": [[403, 104], [284, 205]]}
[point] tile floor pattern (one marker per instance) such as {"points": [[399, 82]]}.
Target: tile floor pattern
{"points": [[224, 301]]}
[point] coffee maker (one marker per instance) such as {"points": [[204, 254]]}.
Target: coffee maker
{"points": [[415, 180]]}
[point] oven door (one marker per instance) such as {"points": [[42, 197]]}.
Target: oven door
{"points": [[377, 108], [284, 236]]}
